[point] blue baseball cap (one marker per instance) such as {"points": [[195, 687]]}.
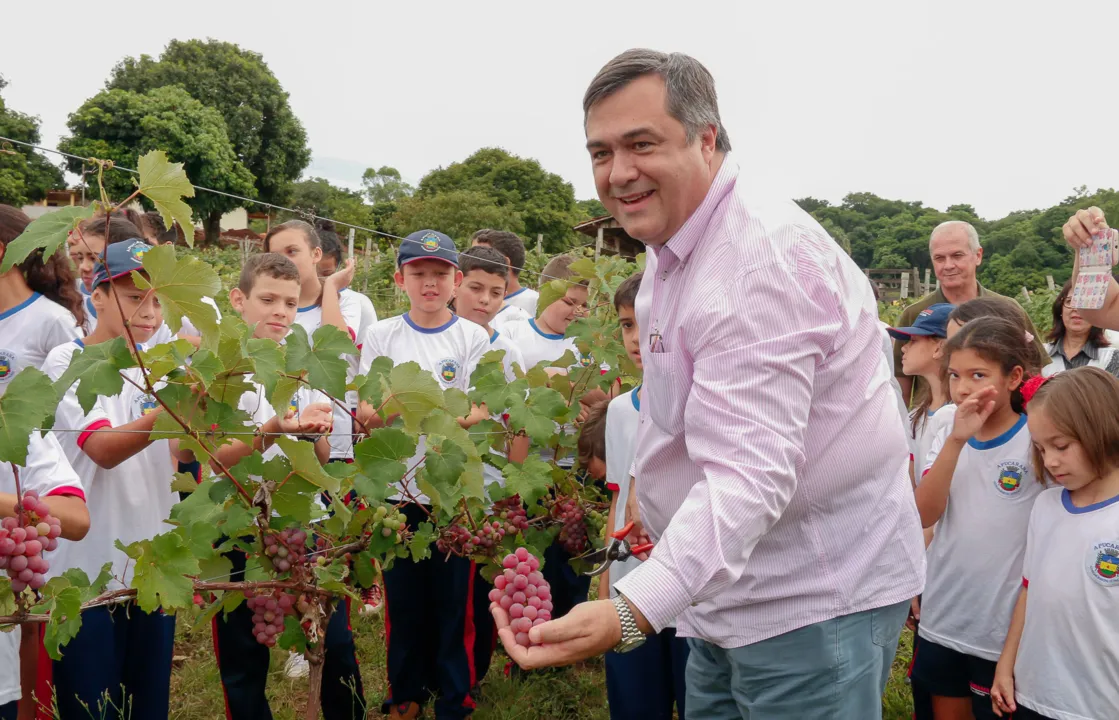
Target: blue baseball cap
{"points": [[427, 245], [119, 259], [930, 322]]}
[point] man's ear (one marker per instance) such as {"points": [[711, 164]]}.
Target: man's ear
{"points": [[979, 257], [237, 299]]}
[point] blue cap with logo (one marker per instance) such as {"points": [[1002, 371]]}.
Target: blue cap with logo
{"points": [[120, 259], [427, 245], [930, 322]]}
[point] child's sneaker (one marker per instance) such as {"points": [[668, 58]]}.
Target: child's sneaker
{"points": [[405, 711], [296, 666], [373, 601]]}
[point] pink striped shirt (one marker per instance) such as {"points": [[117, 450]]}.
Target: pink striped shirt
{"points": [[771, 458]]}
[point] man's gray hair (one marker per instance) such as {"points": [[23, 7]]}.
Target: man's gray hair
{"points": [[972, 234], [690, 88]]}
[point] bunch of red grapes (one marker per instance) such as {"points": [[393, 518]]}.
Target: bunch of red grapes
{"points": [[463, 541], [286, 548], [24, 539], [522, 591], [512, 514], [269, 610], [573, 534]]}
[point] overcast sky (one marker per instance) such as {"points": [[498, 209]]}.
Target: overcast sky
{"points": [[1001, 104]]}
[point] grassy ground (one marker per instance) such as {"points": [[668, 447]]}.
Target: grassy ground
{"points": [[577, 693]]}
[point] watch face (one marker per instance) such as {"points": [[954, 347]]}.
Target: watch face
{"points": [[632, 644]]}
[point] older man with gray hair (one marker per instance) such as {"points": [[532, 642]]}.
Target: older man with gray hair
{"points": [[956, 255]]}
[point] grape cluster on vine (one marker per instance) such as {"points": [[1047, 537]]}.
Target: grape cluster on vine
{"points": [[391, 523], [461, 540], [573, 534], [24, 539], [269, 610], [511, 513], [286, 549], [523, 592]]}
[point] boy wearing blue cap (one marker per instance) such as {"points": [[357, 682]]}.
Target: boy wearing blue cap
{"points": [[428, 625], [121, 653], [922, 356]]}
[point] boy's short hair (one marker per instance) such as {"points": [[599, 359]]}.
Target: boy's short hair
{"points": [[558, 268], [114, 229], [152, 222], [274, 265], [330, 243], [309, 233], [172, 235], [626, 294], [507, 243], [592, 435], [483, 258]]}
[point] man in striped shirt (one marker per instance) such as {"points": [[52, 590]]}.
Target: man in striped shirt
{"points": [[771, 460]]}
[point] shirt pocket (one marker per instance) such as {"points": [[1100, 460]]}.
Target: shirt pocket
{"points": [[668, 382]]}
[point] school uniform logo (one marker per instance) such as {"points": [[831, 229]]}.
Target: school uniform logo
{"points": [[586, 360], [7, 365], [1103, 563], [293, 405], [448, 370], [430, 242], [148, 404], [137, 250], [1011, 475]]}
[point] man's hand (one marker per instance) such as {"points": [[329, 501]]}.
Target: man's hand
{"points": [[914, 614], [315, 419], [1080, 227], [343, 277], [590, 629]]}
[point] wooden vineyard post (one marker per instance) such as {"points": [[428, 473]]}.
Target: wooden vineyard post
{"points": [[1050, 283], [927, 287], [598, 244], [351, 246], [904, 285], [365, 268], [540, 244]]}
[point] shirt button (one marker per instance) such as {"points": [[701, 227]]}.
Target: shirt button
{"points": [[695, 604]]}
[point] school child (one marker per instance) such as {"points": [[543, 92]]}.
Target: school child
{"points": [[86, 247], [513, 248], [267, 296], [977, 488], [121, 654], [428, 614], [478, 299], [47, 474], [39, 305], [1061, 658]]}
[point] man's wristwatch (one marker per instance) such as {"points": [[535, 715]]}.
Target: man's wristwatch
{"points": [[632, 637]]}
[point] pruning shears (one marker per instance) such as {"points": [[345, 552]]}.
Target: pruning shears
{"points": [[617, 549]]}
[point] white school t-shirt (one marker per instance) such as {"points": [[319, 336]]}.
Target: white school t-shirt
{"points": [[163, 334], [623, 418], [537, 345], [129, 502], [310, 318], [1068, 662], [450, 353], [975, 559], [90, 312], [927, 432], [508, 314], [525, 299], [491, 474], [29, 331], [47, 473]]}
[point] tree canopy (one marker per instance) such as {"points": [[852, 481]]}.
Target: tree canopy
{"points": [[384, 185], [25, 175], [122, 125]]}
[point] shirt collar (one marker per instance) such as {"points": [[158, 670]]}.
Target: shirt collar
{"points": [[1089, 349], [685, 240]]}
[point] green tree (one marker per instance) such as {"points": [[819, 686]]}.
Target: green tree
{"points": [[121, 125], [544, 201], [25, 175], [459, 213], [267, 137], [588, 209], [384, 185]]}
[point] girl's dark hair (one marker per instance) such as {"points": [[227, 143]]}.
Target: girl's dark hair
{"points": [[309, 233], [1083, 404], [1096, 335], [51, 277], [1001, 341], [330, 243], [114, 229], [1000, 307]]}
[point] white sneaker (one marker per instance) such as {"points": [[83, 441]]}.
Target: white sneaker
{"points": [[296, 666]]}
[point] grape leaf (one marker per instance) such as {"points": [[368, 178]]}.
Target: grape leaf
{"points": [[205, 365], [364, 572], [456, 403], [441, 424], [370, 387], [293, 638], [184, 483], [162, 565], [538, 415], [444, 462], [47, 233], [380, 461], [530, 479], [165, 184], [65, 609], [320, 357], [7, 597], [413, 393], [199, 506], [295, 499], [422, 539], [166, 357], [549, 293], [28, 401], [215, 568], [305, 464], [583, 269], [97, 371], [181, 283]]}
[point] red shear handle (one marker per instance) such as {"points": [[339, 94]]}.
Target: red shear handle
{"points": [[638, 549], [620, 534]]}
